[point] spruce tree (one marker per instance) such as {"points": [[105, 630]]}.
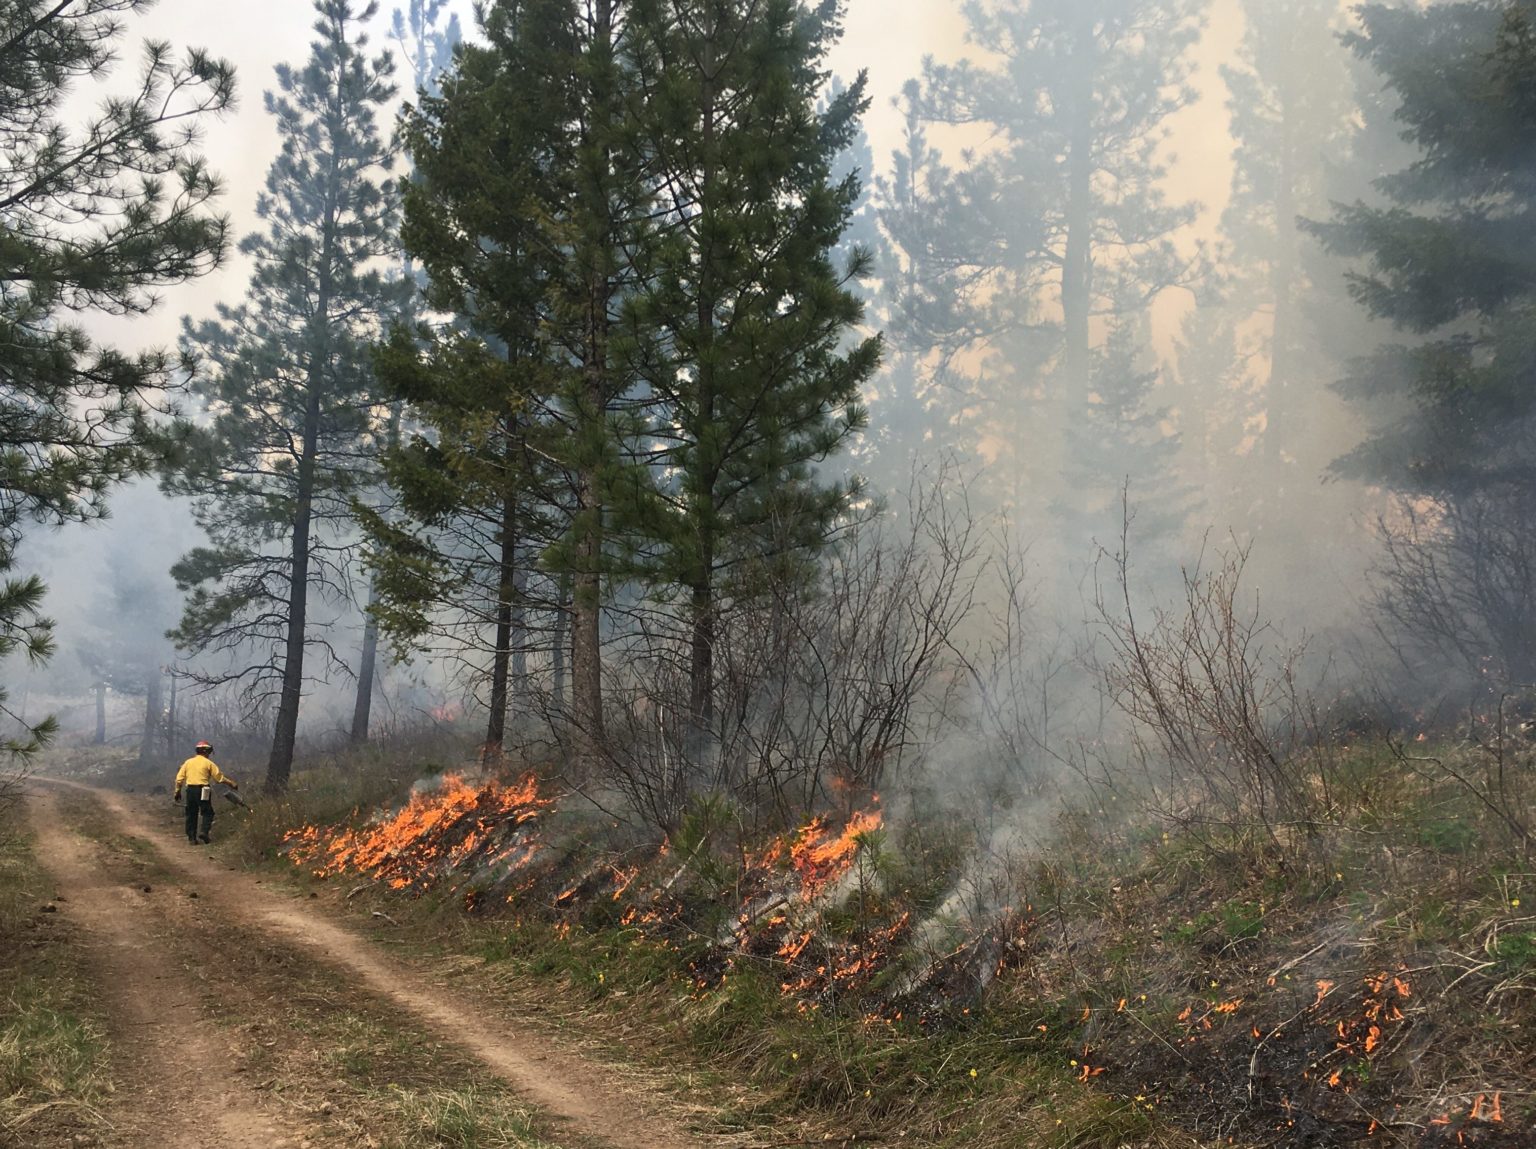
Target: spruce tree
{"points": [[95, 216], [752, 383], [293, 409]]}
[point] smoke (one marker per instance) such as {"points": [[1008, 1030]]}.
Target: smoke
{"points": [[1026, 721]]}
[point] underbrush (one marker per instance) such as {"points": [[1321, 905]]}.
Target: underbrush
{"points": [[1366, 978], [53, 1050]]}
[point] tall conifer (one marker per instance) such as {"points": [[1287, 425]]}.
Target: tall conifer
{"points": [[294, 415], [752, 383], [93, 220]]}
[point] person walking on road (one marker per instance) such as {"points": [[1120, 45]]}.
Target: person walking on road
{"points": [[198, 774]]}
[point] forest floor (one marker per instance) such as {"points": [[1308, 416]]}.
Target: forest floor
{"points": [[231, 1010]]}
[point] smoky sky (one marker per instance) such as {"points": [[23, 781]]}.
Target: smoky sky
{"points": [[889, 38]]}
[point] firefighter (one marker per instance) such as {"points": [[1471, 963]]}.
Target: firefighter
{"points": [[198, 774]]}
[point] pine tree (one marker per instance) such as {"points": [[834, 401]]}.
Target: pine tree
{"points": [[1122, 438], [1294, 116], [606, 199], [1450, 260], [427, 41], [529, 215], [292, 404], [478, 210], [93, 219], [752, 383], [1007, 260]]}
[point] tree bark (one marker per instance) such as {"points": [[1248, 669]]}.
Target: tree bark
{"points": [[101, 715], [150, 743], [286, 728], [557, 652], [170, 719], [586, 598], [506, 592], [285, 731], [362, 708]]}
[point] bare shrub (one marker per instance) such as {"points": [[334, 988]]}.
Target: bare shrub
{"points": [[1495, 765], [1457, 581], [823, 684], [1221, 723]]}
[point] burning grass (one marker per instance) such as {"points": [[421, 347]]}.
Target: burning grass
{"points": [[1172, 987]]}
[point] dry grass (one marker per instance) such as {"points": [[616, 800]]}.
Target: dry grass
{"points": [[53, 1048]]}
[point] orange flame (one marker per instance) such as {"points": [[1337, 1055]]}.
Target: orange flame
{"points": [[435, 831], [818, 855]]}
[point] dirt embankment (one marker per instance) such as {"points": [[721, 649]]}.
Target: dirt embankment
{"points": [[177, 962]]}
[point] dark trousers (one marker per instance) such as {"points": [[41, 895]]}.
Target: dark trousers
{"points": [[195, 806]]}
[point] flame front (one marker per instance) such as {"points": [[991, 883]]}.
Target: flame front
{"points": [[451, 828]]}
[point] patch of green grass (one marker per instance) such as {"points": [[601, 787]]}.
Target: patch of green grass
{"points": [[466, 1118], [1190, 931], [49, 1052], [1446, 835], [1515, 952], [1242, 920]]}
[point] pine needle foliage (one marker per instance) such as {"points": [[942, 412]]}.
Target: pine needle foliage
{"points": [[96, 216], [294, 416]]}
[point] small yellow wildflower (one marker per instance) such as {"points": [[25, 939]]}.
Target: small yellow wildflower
{"points": [[973, 1073], [1514, 903], [794, 1056]]}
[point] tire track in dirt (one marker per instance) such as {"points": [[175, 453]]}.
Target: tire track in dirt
{"points": [[173, 1090], [585, 1098]]}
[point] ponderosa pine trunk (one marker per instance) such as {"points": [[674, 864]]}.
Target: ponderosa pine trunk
{"points": [[701, 666], [506, 592], [586, 596], [149, 745], [285, 730], [362, 708]]}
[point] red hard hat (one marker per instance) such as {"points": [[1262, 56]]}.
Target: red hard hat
{"points": [[203, 745]]}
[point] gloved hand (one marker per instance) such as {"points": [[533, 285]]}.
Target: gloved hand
{"points": [[233, 785], [176, 797]]}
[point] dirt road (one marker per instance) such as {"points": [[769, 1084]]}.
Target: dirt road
{"points": [[164, 959]]}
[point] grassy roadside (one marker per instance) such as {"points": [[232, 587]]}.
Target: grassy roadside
{"points": [[768, 1065], [1369, 979], [336, 1061], [53, 1047]]}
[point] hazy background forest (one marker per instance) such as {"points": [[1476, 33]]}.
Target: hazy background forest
{"points": [[1150, 335]]}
